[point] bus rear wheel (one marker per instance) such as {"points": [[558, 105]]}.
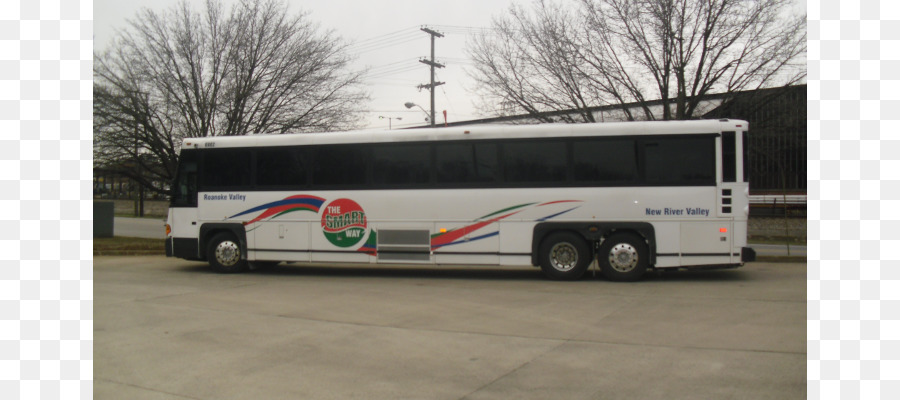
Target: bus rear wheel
{"points": [[224, 254], [564, 256], [623, 257]]}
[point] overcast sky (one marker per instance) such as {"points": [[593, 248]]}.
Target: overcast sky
{"points": [[387, 41], [393, 58]]}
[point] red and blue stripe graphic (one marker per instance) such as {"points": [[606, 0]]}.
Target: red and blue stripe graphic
{"points": [[287, 205], [456, 236], [370, 246], [559, 213]]}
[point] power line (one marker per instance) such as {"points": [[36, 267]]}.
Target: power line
{"points": [[449, 103], [394, 81], [392, 71], [409, 34], [458, 60], [384, 45], [456, 29], [381, 42], [405, 60], [390, 68], [404, 66], [384, 41], [400, 81], [384, 37]]}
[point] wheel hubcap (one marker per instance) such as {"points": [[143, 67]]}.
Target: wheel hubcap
{"points": [[228, 253], [623, 257], [563, 256]]}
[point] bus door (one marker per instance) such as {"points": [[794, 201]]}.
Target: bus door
{"points": [[182, 218], [731, 193]]}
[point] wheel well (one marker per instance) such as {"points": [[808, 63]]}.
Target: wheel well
{"points": [[593, 233], [587, 240], [208, 231], [625, 231]]}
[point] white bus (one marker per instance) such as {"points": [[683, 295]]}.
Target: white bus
{"points": [[632, 195]]}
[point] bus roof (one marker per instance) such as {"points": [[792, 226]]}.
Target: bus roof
{"points": [[473, 132]]}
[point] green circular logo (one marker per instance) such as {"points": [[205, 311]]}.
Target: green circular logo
{"points": [[344, 223]]}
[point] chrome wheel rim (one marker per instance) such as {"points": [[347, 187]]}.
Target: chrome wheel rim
{"points": [[563, 257], [228, 253], [623, 257]]}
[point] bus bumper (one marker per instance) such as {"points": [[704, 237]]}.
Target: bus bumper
{"points": [[186, 248], [748, 254]]}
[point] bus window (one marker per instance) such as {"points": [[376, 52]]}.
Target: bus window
{"points": [[280, 168], [538, 161], [184, 192], [674, 161], [745, 159], [225, 168], [605, 162], [462, 163], [340, 165], [729, 157], [397, 164]]}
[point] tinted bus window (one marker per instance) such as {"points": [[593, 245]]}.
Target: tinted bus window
{"points": [[605, 162], [462, 163], [745, 158], [225, 168], [280, 168], [184, 191], [401, 164], [729, 157], [340, 165], [535, 161], [680, 161]]}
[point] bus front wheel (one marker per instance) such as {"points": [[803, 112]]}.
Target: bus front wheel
{"points": [[564, 256], [623, 257], [224, 254]]}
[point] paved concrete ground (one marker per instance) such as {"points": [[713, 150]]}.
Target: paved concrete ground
{"points": [[172, 329]]}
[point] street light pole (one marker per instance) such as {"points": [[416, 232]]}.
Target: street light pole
{"points": [[410, 104], [389, 120]]}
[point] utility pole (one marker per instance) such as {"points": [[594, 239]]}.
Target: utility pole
{"points": [[433, 65]]}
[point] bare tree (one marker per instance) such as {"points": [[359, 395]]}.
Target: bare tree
{"points": [[530, 62], [638, 54], [183, 73]]}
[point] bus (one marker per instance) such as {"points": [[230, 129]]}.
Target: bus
{"points": [[631, 196]]}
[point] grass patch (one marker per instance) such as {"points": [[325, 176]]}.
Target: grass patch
{"points": [[128, 246]]}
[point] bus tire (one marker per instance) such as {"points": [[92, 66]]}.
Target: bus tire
{"points": [[564, 256], [623, 257], [224, 254]]}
